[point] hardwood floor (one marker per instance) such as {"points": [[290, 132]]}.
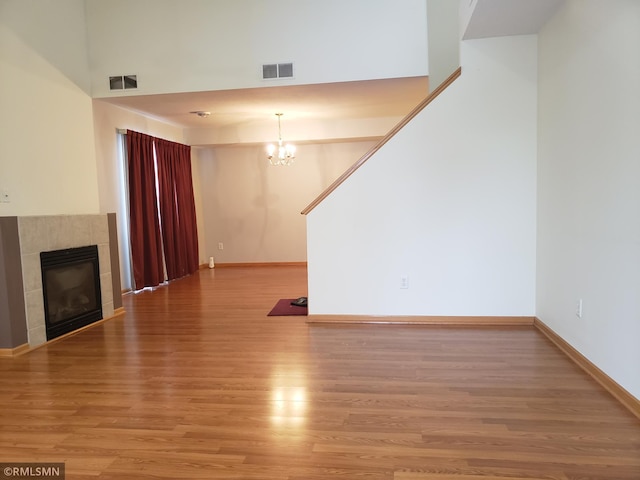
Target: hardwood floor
{"points": [[196, 382]]}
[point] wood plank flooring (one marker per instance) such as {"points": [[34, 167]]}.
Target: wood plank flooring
{"points": [[196, 382]]}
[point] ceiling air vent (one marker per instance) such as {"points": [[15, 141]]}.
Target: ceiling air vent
{"points": [[121, 82], [277, 70]]}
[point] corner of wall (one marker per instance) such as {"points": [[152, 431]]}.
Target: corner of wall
{"points": [[13, 319]]}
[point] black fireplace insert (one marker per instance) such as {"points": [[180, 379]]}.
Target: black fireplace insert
{"points": [[71, 288]]}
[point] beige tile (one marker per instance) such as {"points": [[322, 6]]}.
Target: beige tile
{"points": [[81, 227], [106, 288], [107, 310], [104, 257], [37, 336], [35, 309], [32, 272], [34, 234], [99, 229], [61, 234]]}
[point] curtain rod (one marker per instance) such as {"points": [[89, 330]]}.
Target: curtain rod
{"points": [[123, 131]]}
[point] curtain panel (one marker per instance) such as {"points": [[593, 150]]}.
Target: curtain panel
{"points": [[146, 242], [177, 208], [172, 210]]}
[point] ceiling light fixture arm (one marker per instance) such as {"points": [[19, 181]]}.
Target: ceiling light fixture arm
{"points": [[285, 153]]}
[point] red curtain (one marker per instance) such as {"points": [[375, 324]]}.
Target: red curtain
{"points": [[187, 209], [177, 208], [146, 243]]}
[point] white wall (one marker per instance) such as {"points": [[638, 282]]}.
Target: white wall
{"points": [[199, 45], [47, 154], [467, 8], [450, 202], [254, 208], [443, 20], [589, 183], [296, 129], [107, 119], [54, 30]]}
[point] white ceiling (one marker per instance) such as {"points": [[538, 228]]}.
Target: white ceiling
{"points": [[326, 101], [333, 101], [499, 18]]}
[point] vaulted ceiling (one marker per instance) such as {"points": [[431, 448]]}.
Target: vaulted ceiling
{"points": [[388, 99]]}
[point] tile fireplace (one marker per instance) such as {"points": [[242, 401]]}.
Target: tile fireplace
{"points": [[22, 283]]}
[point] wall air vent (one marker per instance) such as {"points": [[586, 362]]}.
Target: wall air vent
{"points": [[277, 70], [121, 82]]}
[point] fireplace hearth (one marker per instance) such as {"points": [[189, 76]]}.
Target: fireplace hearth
{"points": [[71, 289]]}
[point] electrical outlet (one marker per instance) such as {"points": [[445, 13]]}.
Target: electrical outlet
{"points": [[220, 246], [4, 197], [579, 308], [404, 281]]}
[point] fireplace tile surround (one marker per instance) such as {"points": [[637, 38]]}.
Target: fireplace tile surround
{"points": [[37, 234]]}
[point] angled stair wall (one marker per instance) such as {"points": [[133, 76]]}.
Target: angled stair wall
{"points": [[447, 203]]}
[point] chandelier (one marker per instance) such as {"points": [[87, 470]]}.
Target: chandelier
{"points": [[281, 154]]}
